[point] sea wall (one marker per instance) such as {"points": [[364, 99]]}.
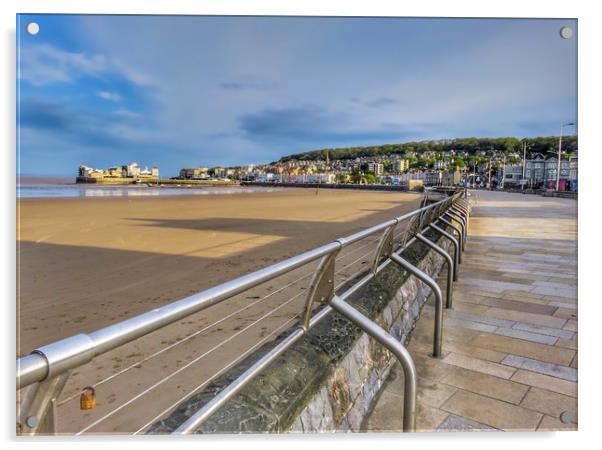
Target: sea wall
{"points": [[327, 380], [364, 187]]}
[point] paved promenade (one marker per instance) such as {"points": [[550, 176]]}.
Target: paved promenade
{"points": [[510, 342]]}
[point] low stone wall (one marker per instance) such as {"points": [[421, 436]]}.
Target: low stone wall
{"points": [[562, 194], [328, 379], [363, 187]]}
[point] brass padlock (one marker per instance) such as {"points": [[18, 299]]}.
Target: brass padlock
{"points": [[87, 399]]}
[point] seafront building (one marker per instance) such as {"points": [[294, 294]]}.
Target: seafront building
{"points": [[124, 174], [196, 173], [540, 172], [429, 168]]}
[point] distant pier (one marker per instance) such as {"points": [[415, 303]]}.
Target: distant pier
{"points": [[125, 181]]}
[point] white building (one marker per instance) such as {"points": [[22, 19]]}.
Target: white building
{"points": [[133, 170], [376, 168]]}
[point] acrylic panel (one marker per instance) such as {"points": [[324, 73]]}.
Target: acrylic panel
{"points": [[247, 224]]}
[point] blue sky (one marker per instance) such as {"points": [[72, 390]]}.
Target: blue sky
{"points": [[181, 91]]}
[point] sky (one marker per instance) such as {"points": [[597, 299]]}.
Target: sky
{"points": [[187, 91]]}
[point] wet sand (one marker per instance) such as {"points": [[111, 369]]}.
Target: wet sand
{"points": [[87, 263]]}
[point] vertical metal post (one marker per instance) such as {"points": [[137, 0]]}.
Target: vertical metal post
{"points": [[385, 247], [462, 226], [559, 158], [395, 347], [457, 216], [37, 414], [321, 286], [460, 207], [456, 247], [463, 213], [438, 333], [450, 267], [460, 236]]}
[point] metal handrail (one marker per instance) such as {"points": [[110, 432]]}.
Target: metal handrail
{"points": [[458, 218], [58, 358], [438, 332], [395, 347], [454, 242], [450, 267], [460, 235], [461, 220]]}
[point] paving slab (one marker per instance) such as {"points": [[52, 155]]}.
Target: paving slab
{"points": [[487, 385], [495, 413], [544, 330], [545, 382], [518, 305], [547, 353], [551, 403], [457, 423], [479, 365], [554, 424], [521, 316], [554, 370], [526, 335]]}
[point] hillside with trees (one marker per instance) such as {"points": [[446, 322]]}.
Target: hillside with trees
{"points": [[472, 146]]}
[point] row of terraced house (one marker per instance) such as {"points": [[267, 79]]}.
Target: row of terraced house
{"points": [[540, 172]]}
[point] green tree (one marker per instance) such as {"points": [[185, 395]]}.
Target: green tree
{"points": [[370, 178], [458, 161], [342, 178]]}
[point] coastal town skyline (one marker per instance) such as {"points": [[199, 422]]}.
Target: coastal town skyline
{"points": [[239, 99]]}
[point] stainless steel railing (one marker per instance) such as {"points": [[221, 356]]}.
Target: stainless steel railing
{"points": [[46, 369]]}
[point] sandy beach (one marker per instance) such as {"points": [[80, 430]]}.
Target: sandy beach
{"points": [[87, 263]]}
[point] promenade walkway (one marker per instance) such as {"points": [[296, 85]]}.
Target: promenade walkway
{"points": [[510, 341]]}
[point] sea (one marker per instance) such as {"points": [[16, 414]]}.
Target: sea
{"points": [[59, 188]]}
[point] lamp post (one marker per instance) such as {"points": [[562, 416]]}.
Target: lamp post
{"points": [[524, 181], [503, 171], [524, 163], [560, 153]]}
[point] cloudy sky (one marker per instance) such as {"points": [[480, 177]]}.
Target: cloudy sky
{"points": [[180, 91]]}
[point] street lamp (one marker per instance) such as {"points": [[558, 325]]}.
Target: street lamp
{"points": [[524, 181], [560, 153], [503, 170]]}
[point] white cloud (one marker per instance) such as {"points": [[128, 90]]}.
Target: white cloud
{"points": [[43, 64], [127, 114], [111, 96]]}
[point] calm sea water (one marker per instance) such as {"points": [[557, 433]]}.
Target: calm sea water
{"points": [[82, 190]]}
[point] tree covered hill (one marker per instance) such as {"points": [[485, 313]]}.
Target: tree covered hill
{"points": [[472, 146]]}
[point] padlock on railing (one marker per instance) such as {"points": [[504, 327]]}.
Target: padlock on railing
{"points": [[87, 399]]}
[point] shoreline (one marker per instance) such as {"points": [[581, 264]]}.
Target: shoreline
{"points": [[73, 191]]}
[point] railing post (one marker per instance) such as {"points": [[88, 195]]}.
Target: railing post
{"points": [[456, 245], [385, 247], [395, 347], [461, 211], [460, 205], [460, 236], [438, 333], [461, 221], [37, 412], [461, 225], [321, 287], [450, 267]]}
